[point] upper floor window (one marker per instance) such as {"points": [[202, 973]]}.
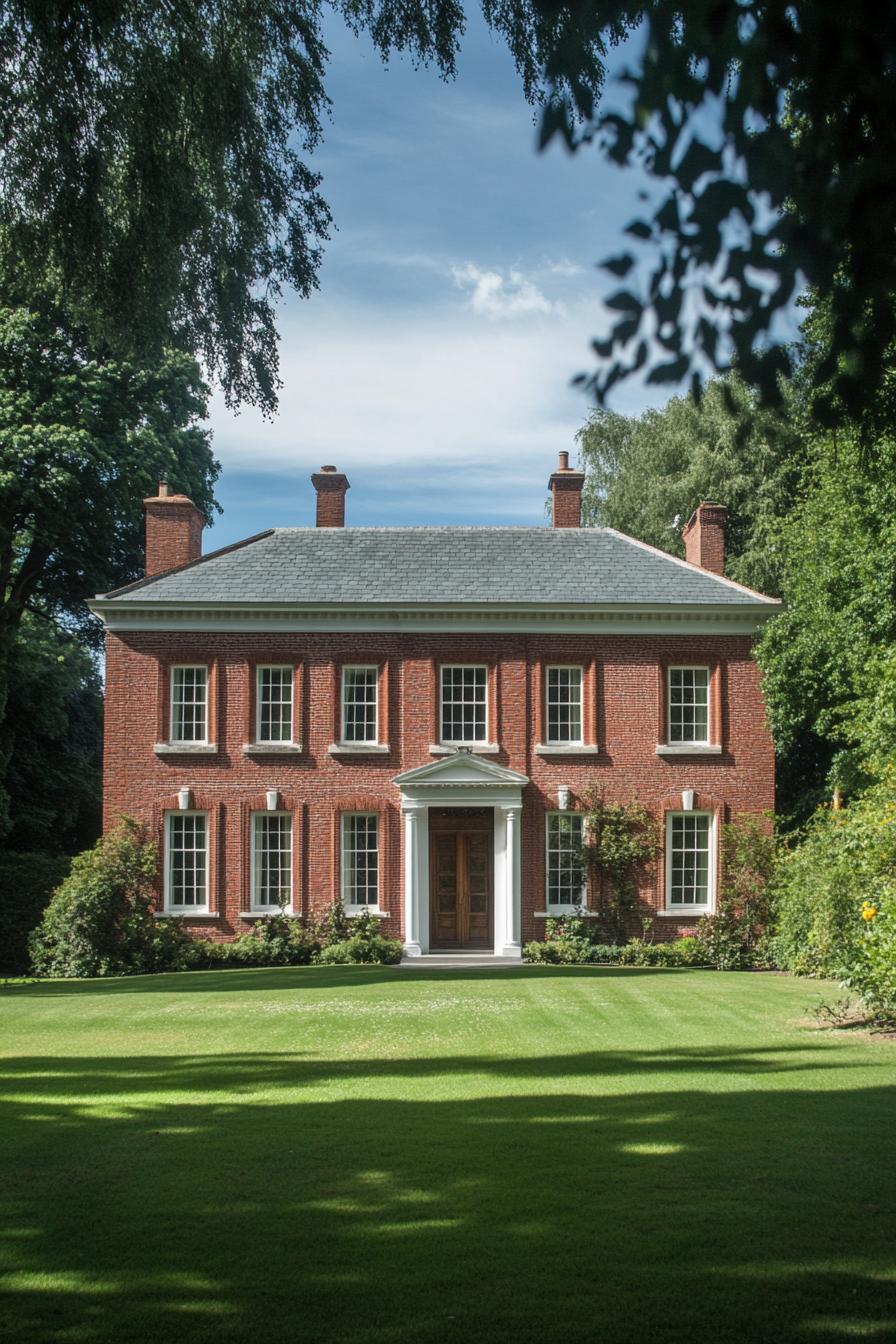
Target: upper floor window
{"points": [[689, 865], [359, 704], [274, 690], [186, 861], [464, 698], [565, 866], [271, 860], [564, 704], [360, 859], [189, 704], [689, 704]]}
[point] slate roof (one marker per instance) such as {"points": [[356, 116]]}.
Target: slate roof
{"points": [[451, 565]]}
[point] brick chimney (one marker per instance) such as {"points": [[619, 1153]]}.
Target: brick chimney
{"points": [[704, 537], [173, 531], [565, 486], [331, 486]]}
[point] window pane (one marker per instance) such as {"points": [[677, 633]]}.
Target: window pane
{"points": [[566, 875], [187, 859], [275, 704], [272, 875], [360, 858], [359, 690], [564, 704], [688, 704], [689, 854], [188, 704], [463, 704]]}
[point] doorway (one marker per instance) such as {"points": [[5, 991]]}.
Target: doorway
{"points": [[461, 861]]}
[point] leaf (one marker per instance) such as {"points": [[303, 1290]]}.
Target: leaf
{"points": [[619, 266], [670, 373], [624, 302]]}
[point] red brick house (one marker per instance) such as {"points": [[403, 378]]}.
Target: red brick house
{"points": [[406, 718]]}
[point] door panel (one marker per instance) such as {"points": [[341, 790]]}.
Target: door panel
{"points": [[460, 881]]}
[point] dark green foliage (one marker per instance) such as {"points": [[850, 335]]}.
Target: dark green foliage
{"points": [[767, 128], [27, 882], [156, 157], [646, 474], [54, 716], [572, 941], [734, 937], [620, 838], [100, 920]]}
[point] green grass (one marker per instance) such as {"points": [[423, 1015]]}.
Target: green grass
{"points": [[357, 1154]]}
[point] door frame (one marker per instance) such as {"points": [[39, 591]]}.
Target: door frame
{"points": [[459, 821]]}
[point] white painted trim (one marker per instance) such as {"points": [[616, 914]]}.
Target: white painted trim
{"points": [[475, 748], [688, 667], [559, 911], [184, 911], [193, 742], [712, 876], [359, 748], [433, 618], [349, 906], [583, 903], [450, 743], [358, 667], [270, 667], [565, 667], [253, 904], [272, 748], [565, 749], [688, 749], [185, 748]]}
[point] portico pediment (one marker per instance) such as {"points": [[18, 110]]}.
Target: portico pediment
{"points": [[461, 770]]}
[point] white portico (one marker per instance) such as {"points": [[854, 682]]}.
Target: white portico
{"points": [[468, 784]]}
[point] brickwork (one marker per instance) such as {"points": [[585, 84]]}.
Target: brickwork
{"points": [[173, 532], [624, 715], [331, 486], [704, 537]]}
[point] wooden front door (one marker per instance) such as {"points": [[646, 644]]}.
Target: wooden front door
{"points": [[460, 877]]}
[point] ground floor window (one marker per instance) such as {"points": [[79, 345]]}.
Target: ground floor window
{"points": [[271, 860], [565, 867], [689, 861], [360, 859], [186, 868]]}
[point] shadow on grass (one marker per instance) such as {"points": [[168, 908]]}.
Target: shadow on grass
{"points": [[317, 977], [233, 1200]]}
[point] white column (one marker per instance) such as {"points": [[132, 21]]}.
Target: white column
{"points": [[512, 946], [411, 894]]}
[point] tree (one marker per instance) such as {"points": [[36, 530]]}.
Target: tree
{"points": [[646, 474], [81, 442], [769, 128], [153, 169], [55, 719]]}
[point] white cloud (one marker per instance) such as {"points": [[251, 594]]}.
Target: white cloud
{"points": [[491, 295]]}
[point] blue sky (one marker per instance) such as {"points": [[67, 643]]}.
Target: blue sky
{"points": [[458, 297]]}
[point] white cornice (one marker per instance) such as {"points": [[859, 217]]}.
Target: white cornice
{"points": [[579, 618]]}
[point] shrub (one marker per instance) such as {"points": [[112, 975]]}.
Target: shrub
{"points": [[27, 882], [362, 950], [621, 838], [100, 920], [873, 975], [731, 938], [278, 940]]}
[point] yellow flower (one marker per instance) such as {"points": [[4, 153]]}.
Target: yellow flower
{"points": [[869, 911]]}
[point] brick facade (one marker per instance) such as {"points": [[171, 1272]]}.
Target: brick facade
{"points": [[624, 709]]}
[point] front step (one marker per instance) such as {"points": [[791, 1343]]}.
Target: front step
{"points": [[459, 961]]}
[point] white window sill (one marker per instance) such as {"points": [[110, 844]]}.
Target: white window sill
{"points": [[685, 912], [476, 748], [560, 910], [359, 748], [185, 749], [688, 749], [272, 748], [353, 910], [267, 914], [565, 749], [187, 912]]}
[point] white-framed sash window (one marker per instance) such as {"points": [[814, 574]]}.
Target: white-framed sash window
{"points": [[565, 880], [688, 705], [563, 705], [189, 704], [360, 704], [690, 862], [360, 860], [273, 700], [463, 716], [186, 862], [271, 859]]}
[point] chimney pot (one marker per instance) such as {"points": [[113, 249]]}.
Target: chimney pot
{"points": [[704, 537], [331, 486], [565, 486], [164, 489]]}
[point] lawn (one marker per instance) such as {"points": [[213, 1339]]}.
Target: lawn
{"points": [[356, 1154]]}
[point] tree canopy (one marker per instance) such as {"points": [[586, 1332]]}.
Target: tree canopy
{"points": [[154, 159], [769, 129]]}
